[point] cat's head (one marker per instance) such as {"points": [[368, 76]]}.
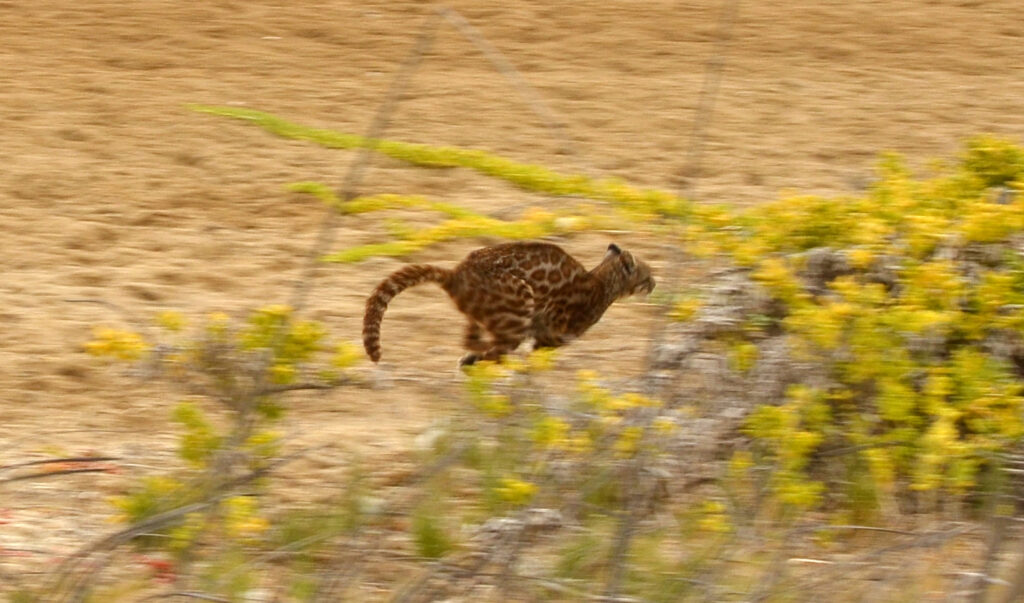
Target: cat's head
{"points": [[635, 274]]}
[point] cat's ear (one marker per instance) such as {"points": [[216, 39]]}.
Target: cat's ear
{"points": [[613, 250], [628, 262]]}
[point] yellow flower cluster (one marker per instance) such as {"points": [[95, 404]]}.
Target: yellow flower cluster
{"points": [[290, 342], [171, 321], [154, 495], [116, 343], [264, 444], [685, 308], [602, 400], [346, 355], [742, 356], [183, 536], [482, 383], [551, 432], [200, 440], [515, 491], [776, 275], [241, 519], [793, 432], [713, 518]]}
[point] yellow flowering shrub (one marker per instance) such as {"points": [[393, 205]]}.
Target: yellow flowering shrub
{"points": [[907, 389], [889, 315], [932, 277]]}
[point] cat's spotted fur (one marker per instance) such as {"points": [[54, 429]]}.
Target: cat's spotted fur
{"points": [[516, 291]]}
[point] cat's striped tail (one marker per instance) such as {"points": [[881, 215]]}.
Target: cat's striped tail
{"points": [[377, 303]]}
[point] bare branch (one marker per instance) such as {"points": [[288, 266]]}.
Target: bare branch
{"points": [[45, 474], [152, 524], [280, 389], [505, 67], [186, 595], [125, 314], [70, 459], [354, 177]]}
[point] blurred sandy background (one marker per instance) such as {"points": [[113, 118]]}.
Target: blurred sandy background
{"points": [[110, 189]]}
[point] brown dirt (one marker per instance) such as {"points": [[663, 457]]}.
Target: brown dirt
{"points": [[110, 189]]}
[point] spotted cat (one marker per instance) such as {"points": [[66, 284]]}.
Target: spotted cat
{"points": [[515, 291]]}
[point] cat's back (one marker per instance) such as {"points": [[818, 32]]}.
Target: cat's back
{"points": [[546, 268], [528, 260]]}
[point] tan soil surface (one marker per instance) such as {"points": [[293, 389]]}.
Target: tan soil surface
{"points": [[110, 189]]}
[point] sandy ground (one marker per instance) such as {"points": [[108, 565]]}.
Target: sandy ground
{"points": [[110, 189]]}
